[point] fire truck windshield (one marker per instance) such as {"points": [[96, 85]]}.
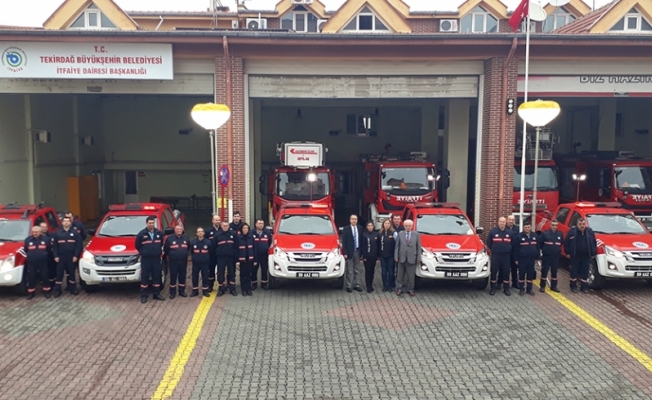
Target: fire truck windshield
{"points": [[407, 180], [14, 231], [636, 179], [297, 185], [123, 225], [546, 178], [443, 225], [615, 224], [306, 225]]}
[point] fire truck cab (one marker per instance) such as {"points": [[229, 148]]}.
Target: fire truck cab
{"points": [[624, 243], [391, 183], [16, 222], [302, 177], [111, 256], [306, 245], [451, 247], [610, 176]]}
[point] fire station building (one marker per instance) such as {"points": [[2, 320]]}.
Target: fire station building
{"points": [[100, 91]]}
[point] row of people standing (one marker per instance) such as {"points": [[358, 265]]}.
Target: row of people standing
{"points": [[214, 254], [52, 256], [520, 251]]}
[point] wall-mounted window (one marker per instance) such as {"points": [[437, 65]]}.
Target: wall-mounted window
{"points": [[477, 21], [366, 21], [557, 19], [300, 20], [364, 125], [92, 18], [632, 22]]}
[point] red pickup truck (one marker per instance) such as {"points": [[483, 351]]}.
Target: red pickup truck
{"points": [[624, 243], [16, 222]]}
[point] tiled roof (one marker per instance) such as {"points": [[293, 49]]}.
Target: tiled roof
{"points": [[583, 24]]}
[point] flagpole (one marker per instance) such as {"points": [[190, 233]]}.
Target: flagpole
{"points": [[524, 147]]}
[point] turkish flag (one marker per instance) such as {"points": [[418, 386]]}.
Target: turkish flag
{"points": [[519, 15]]}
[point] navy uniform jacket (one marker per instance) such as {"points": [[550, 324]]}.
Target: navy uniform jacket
{"points": [[176, 247], [37, 249], [500, 242], [67, 243], [526, 246], [262, 242], [200, 251], [370, 245], [550, 243], [148, 247], [225, 244], [246, 251], [237, 228], [571, 239]]}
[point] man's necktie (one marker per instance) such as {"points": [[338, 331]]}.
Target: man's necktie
{"points": [[408, 237], [355, 237]]}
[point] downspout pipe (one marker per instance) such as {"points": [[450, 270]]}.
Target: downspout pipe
{"points": [[159, 23], [229, 123], [503, 129]]}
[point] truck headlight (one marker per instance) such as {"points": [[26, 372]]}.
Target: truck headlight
{"points": [[88, 257], [280, 253], [481, 254], [613, 252], [333, 254], [8, 264], [427, 254]]}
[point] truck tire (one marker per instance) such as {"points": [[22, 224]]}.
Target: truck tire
{"points": [[596, 281], [649, 282], [21, 288], [480, 284], [88, 288], [418, 282], [274, 283], [164, 274], [338, 283]]}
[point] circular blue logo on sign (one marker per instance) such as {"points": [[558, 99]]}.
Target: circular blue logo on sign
{"points": [[641, 245], [307, 246], [14, 58], [453, 246]]}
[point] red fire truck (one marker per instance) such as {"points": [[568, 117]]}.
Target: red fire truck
{"points": [[609, 176], [302, 177], [391, 183], [547, 183]]}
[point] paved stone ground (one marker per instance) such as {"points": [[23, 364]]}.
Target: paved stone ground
{"points": [[308, 341]]}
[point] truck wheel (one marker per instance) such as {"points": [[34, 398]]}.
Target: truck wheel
{"points": [[21, 288], [418, 282], [649, 282], [338, 283], [596, 281], [88, 288], [480, 284], [164, 274], [274, 283]]}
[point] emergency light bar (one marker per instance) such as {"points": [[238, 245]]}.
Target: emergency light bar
{"points": [[306, 205], [603, 204], [134, 207], [438, 205]]}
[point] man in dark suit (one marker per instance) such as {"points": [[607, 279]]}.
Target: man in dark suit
{"points": [[351, 239], [407, 254]]}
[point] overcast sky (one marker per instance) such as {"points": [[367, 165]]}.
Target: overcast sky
{"points": [[35, 12]]}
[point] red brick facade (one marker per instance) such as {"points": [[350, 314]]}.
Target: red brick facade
{"points": [[424, 25], [492, 111], [238, 128]]}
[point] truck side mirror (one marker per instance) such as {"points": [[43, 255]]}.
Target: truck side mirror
{"points": [[168, 231], [445, 178], [479, 230], [91, 232]]}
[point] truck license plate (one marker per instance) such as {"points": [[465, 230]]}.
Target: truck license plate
{"points": [[643, 274], [114, 278], [456, 274], [308, 275]]}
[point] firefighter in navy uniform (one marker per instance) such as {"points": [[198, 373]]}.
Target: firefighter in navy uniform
{"points": [[225, 252], [262, 242], [210, 235], [200, 251], [149, 243], [67, 247], [236, 224], [511, 224], [499, 243], [581, 247], [37, 249], [175, 251], [52, 265], [550, 243], [246, 259], [526, 253], [78, 226]]}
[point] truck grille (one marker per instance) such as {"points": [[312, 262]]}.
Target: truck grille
{"points": [[307, 257], [641, 256], [457, 258], [294, 268], [110, 272], [116, 260], [455, 269], [638, 268]]}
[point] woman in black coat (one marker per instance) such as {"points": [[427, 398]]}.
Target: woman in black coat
{"points": [[246, 258], [369, 254]]}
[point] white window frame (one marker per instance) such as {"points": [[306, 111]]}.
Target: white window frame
{"points": [[373, 24], [98, 14], [305, 20], [485, 13], [568, 18], [639, 23]]}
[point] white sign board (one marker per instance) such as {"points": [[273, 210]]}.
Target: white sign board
{"points": [[304, 155], [588, 85], [46, 60]]}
